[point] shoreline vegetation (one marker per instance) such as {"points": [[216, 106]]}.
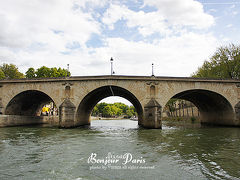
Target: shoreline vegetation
{"points": [[170, 119], [113, 111], [107, 118]]}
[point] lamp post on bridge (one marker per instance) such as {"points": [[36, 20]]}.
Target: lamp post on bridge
{"points": [[68, 70], [152, 69], [112, 72]]}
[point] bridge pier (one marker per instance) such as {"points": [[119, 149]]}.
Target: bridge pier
{"points": [[66, 114], [237, 110], [152, 115], [237, 113], [1, 106]]}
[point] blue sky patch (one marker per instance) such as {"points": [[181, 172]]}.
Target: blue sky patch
{"points": [[73, 45], [95, 41]]}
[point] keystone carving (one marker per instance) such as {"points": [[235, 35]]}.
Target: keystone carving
{"points": [[67, 84], [152, 83]]}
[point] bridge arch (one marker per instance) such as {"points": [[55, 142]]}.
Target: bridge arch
{"points": [[214, 108], [91, 99], [27, 103]]}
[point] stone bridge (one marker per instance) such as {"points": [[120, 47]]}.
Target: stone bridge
{"points": [[21, 100]]}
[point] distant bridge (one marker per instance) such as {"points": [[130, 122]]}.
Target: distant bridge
{"points": [[20, 100]]}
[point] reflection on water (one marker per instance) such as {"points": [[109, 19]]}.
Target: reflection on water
{"points": [[175, 152]]}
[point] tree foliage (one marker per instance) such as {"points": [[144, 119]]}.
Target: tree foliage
{"points": [[10, 71], [113, 110], [225, 63], [30, 73], [44, 72], [2, 75]]}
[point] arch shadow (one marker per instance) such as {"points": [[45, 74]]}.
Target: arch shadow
{"points": [[27, 103], [213, 107], [91, 99]]}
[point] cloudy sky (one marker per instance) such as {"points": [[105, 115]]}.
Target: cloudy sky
{"points": [[175, 35]]}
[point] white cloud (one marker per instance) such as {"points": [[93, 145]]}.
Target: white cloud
{"points": [[23, 22], [184, 12], [34, 34], [234, 13], [113, 14], [173, 56], [213, 10], [171, 15], [90, 3], [147, 23]]}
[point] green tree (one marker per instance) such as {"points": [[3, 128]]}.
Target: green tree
{"points": [[122, 106], [116, 109], [63, 72], [129, 113], [133, 110], [11, 71], [95, 111], [44, 72], [107, 111], [2, 75], [225, 63], [30, 73], [54, 72], [101, 106]]}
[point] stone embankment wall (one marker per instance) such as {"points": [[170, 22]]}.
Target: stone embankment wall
{"points": [[15, 120]]}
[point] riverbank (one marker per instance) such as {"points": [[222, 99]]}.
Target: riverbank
{"points": [[105, 118], [185, 119], [186, 122], [170, 119]]}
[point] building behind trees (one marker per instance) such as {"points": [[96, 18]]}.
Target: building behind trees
{"points": [[180, 108]]}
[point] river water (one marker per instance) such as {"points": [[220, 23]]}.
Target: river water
{"points": [[175, 152]]}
